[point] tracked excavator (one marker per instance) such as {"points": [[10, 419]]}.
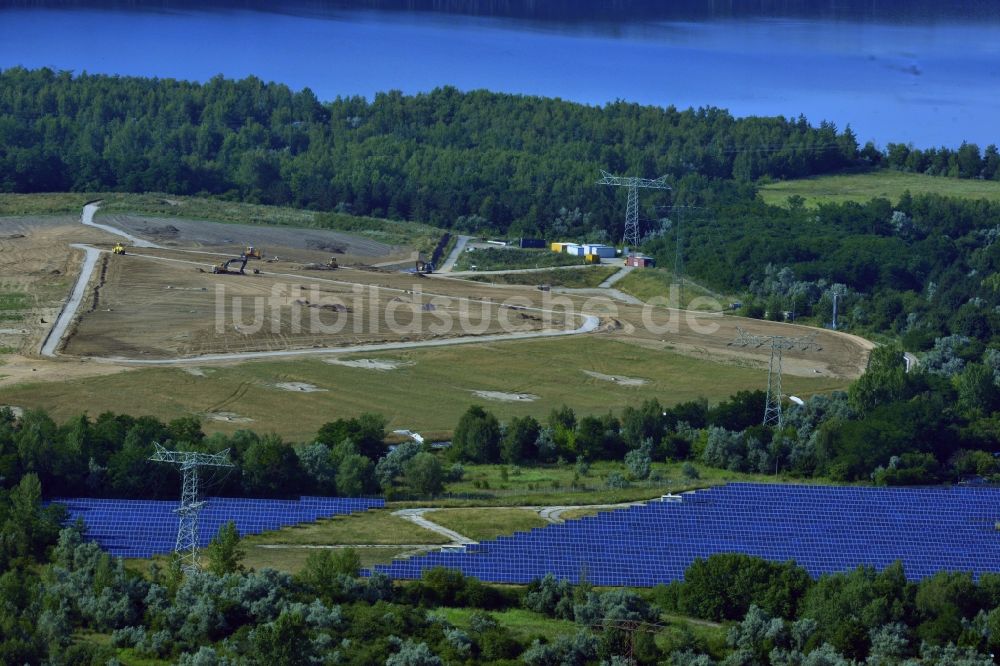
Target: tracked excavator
{"points": [[228, 267]]}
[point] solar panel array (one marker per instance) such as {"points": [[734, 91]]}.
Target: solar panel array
{"points": [[824, 529], [142, 528]]}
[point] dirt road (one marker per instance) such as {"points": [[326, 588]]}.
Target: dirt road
{"points": [[589, 325], [69, 310]]}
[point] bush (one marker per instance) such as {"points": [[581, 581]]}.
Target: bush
{"points": [[617, 480]]}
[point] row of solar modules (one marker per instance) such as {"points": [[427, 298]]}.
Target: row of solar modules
{"points": [[824, 529], [142, 528]]}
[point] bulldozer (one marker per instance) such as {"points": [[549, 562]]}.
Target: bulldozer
{"points": [[251, 252], [118, 249]]}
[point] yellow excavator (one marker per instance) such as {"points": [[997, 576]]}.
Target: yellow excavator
{"points": [[118, 249], [251, 252]]}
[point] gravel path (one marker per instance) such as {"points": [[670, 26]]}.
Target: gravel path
{"points": [[617, 276], [456, 252], [55, 335], [416, 516], [88, 220]]}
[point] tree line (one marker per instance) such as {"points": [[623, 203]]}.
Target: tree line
{"points": [[510, 162]]}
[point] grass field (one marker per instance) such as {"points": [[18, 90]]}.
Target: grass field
{"points": [[581, 278], [482, 524], [648, 283], [524, 624], [376, 527], [293, 559], [43, 204], [561, 485], [13, 304], [428, 395], [512, 258], [862, 187]]}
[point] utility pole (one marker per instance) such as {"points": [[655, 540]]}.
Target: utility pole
{"points": [[631, 237], [679, 260], [778, 344], [186, 546]]}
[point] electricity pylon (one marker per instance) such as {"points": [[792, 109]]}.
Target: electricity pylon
{"points": [[631, 238], [186, 546], [777, 343]]}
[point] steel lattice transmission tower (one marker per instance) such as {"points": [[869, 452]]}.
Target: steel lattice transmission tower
{"points": [[187, 524], [631, 238], [778, 344]]}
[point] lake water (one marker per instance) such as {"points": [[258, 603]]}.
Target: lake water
{"points": [[935, 82]]}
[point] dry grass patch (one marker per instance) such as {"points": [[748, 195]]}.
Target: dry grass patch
{"points": [[483, 524], [293, 559], [368, 527]]}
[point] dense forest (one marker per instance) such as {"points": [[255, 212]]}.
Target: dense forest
{"points": [[475, 160]]}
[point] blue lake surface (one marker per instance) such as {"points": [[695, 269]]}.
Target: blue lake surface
{"points": [[928, 83]]}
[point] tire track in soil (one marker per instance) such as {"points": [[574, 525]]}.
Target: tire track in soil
{"points": [[237, 394]]}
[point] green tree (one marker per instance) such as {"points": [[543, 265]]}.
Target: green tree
{"points": [[518, 443], [883, 382], [270, 468], [424, 475], [284, 642], [355, 476], [977, 389], [477, 437], [225, 552]]}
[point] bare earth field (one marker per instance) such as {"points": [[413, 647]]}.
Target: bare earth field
{"points": [[153, 304], [291, 243], [36, 261], [164, 305]]}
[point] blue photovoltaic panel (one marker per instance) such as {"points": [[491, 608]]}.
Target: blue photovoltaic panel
{"points": [[824, 529], [142, 528]]}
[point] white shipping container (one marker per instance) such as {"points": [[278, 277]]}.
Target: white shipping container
{"points": [[602, 251]]}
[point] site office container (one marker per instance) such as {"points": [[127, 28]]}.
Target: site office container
{"points": [[601, 250]]}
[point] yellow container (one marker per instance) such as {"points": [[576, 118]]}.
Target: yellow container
{"points": [[557, 247], [592, 258]]}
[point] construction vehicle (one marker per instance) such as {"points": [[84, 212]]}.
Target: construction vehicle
{"points": [[227, 267], [424, 267], [251, 252], [118, 249]]}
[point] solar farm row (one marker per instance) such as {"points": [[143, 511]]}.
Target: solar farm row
{"points": [[824, 529], [142, 528]]}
